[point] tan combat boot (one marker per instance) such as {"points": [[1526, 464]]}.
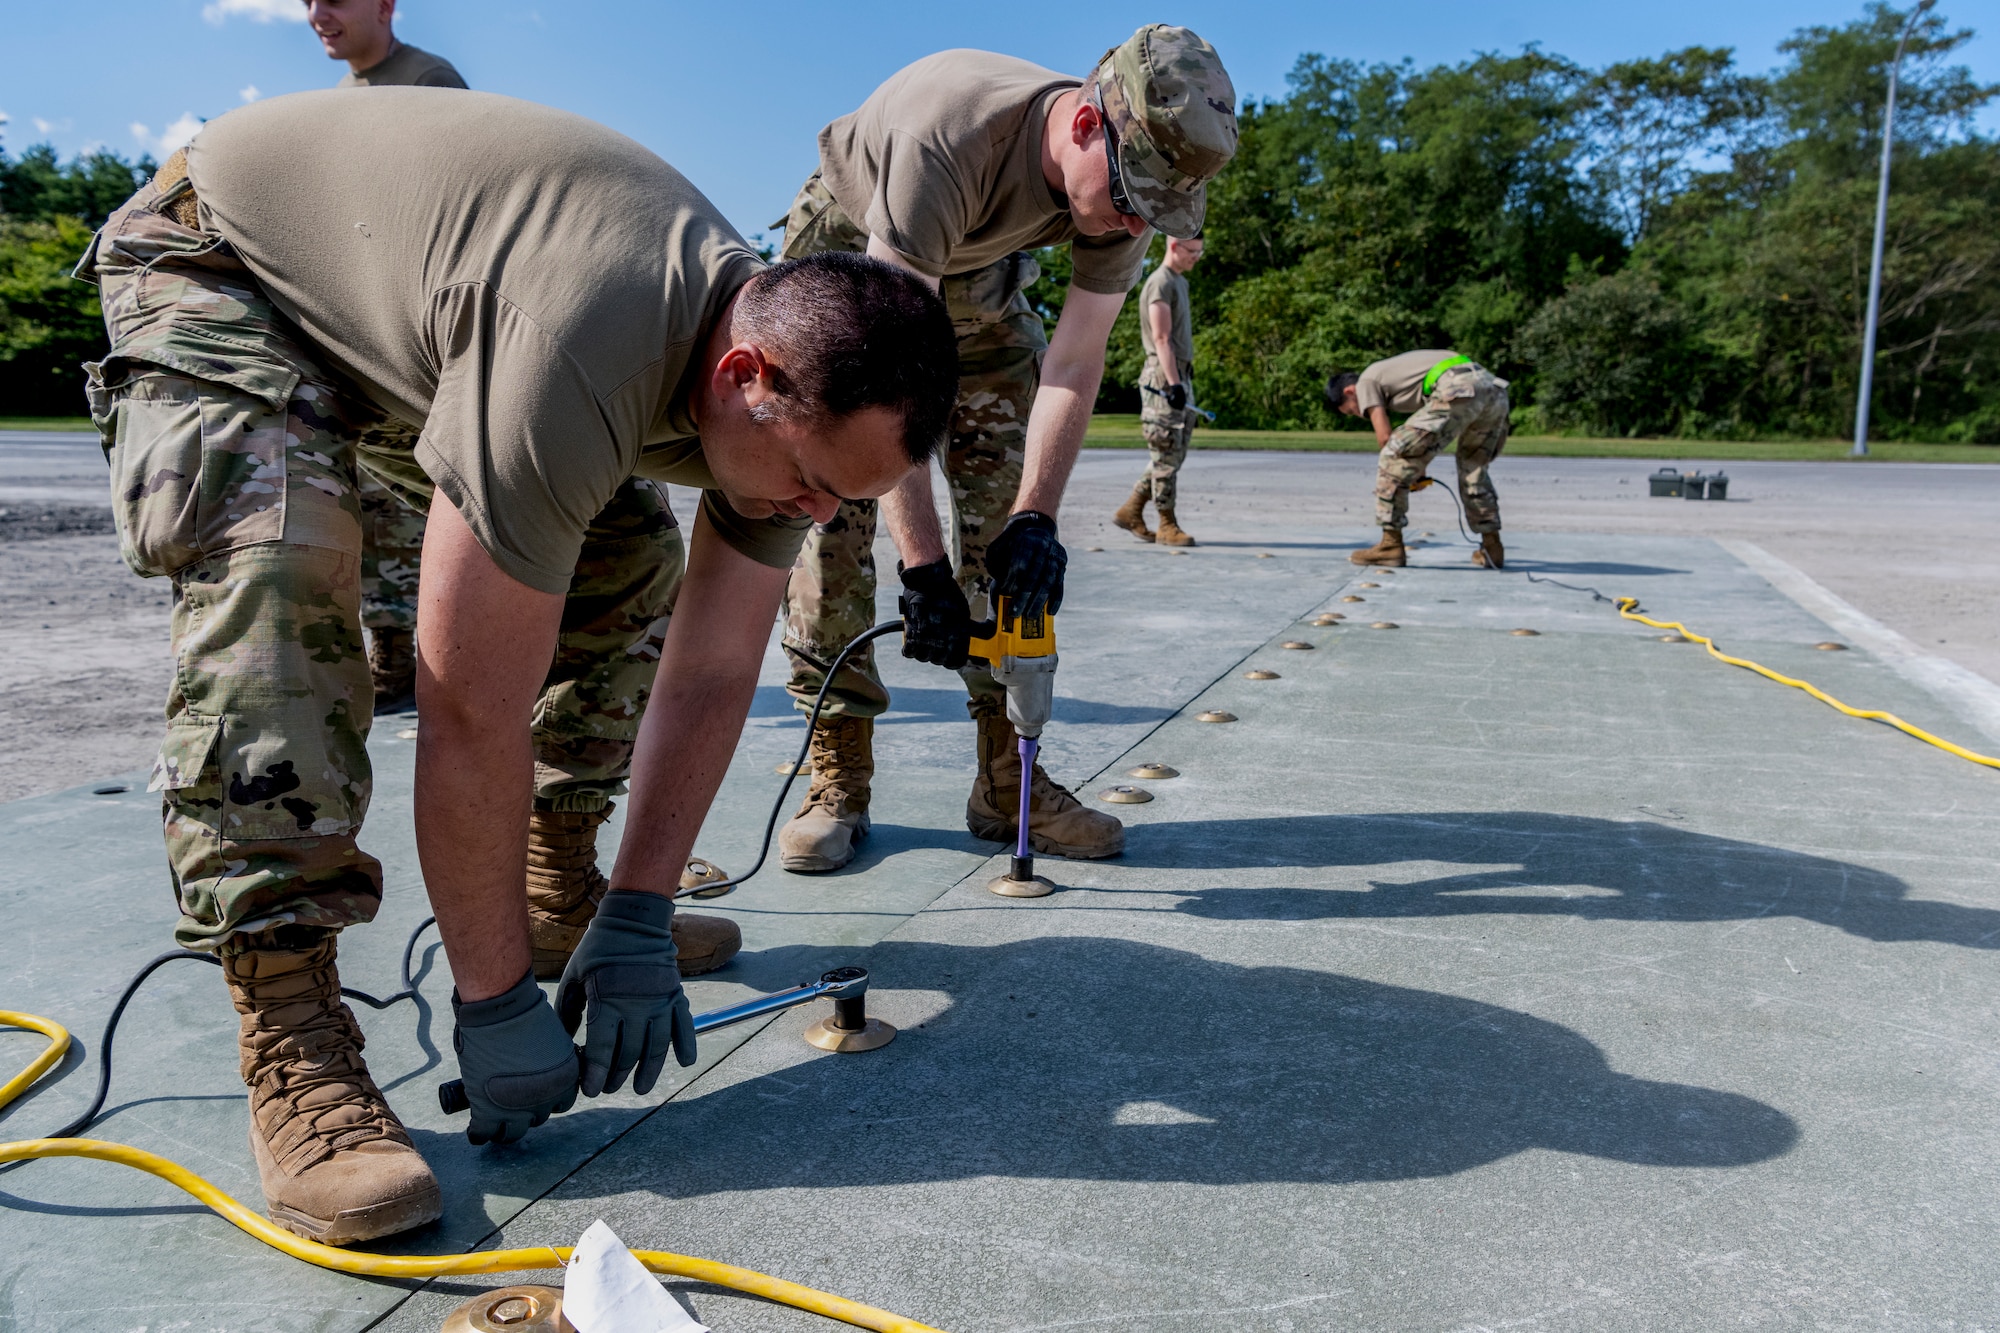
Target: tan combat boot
{"points": [[336, 1163], [1171, 533], [834, 817], [392, 665], [1490, 555], [1131, 515], [1058, 824], [565, 887], [1388, 551]]}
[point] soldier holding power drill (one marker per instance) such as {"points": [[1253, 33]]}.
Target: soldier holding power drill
{"points": [[951, 169]]}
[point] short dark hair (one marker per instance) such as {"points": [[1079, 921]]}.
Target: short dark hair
{"points": [[1337, 384], [851, 332]]}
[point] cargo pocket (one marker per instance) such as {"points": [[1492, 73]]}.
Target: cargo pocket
{"points": [[150, 427], [278, 786], [187, 776]]}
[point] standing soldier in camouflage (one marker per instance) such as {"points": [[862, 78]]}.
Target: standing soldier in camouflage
{"points": [[1166, 393], [524, 321], [951, 169], [1449, 399], [362, 33]]}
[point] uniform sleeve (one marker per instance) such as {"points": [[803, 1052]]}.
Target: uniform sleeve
{"points": [[919, 207], [773, 541], [1108, 264], [440, 75], [515, 437], [1368, 390]]}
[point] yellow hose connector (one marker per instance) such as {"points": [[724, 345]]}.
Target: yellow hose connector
{"points": [[412, 1265], [1628, 607]]}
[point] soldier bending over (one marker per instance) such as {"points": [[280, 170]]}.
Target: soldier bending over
{"points": [[522, 321]]}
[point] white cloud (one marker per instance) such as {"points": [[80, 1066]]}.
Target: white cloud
{"points": [[258, 11], [173, 136], [249, 93], [44, 126]]}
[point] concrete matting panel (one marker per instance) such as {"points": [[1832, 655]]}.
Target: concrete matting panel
{"points": [[1575, 981]]}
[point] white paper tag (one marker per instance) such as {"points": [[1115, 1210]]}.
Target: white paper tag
{"points": [[606, 1290]]}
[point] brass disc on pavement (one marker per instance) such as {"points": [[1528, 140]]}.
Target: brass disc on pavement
{"points": [[1299, 645], [1260, 674], [1525, 633], [1125, 795], [1352, 598], [823, 1034], [802, 769], [1367, 585], [1153, 772], [1385, 624], [1215, 715], [511, 1310], [700, 874], [1831, 647], [1328, 618], [1007, 887]]}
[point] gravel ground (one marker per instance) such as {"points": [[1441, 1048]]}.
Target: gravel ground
{"points": [[84, 660]]}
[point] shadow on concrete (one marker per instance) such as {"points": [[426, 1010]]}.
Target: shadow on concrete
{"points": [[1605, 567], [1102, 1059], [1550, 865]]}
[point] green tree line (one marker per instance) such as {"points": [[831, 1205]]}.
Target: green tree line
{"points": [[1664, 246]]}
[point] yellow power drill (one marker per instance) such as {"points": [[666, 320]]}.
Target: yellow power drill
{"points": [[1020, 651]]}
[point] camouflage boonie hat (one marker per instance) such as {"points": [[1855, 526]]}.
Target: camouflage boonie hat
{"points": [[1172, 111]]}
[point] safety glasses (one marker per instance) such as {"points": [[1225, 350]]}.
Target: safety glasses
{"points": [[1119, 199]]}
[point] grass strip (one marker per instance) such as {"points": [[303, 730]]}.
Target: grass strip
{"points": [[1109, 431]]}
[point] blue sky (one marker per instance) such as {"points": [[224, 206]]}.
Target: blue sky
{"points": [[734, 96]]}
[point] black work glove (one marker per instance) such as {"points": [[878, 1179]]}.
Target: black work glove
{"points": [[937, 621], [517, 1062], [1027, 563], [1177, 396], [624, 978]]}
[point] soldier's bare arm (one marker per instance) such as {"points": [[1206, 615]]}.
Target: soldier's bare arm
{"points": [[1160, 320], [1070, 376], [1378, 417], [484, 643], [909, 511], [707, 675]]}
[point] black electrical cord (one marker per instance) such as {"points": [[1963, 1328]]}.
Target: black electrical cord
{"points": [[1458, 509], [805, 748], [409, 990]]}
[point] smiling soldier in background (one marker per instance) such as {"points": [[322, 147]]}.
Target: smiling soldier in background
{"points": [[362, 33]]}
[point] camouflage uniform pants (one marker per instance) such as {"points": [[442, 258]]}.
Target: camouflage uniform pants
{"points": [[234, 465], [1166, 432], [1468, 405], [392, 548], [831, 596]]}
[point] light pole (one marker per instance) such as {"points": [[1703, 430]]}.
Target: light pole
{"points": [[1881, 225]]}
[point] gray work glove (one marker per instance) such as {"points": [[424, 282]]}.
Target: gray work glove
{"points": [[624, 979], [517, 1062]]}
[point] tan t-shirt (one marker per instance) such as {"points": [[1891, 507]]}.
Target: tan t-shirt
{"points": [[944, 163], [1397, 383], [530, 288], [405, 66], [1170, 289]]}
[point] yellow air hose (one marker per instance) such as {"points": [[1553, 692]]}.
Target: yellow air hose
{"points": [[1628, 608], [410, 1265]]}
